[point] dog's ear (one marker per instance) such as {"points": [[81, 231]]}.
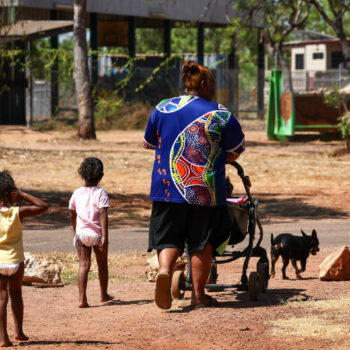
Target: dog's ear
{"points": [[303, 233], [314, 234]]}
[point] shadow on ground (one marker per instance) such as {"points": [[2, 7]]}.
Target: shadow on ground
{"points": [[134, 210], [125, 210], [62, 342], [242, 300], [271, 206]]}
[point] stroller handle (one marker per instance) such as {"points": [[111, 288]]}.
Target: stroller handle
{"points": [[245, 179], [247, 184]]}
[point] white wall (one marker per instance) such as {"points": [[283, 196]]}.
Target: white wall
{"points": [[312, 64]]}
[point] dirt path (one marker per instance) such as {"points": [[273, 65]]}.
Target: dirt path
{"points": [[291, 315], [299, 185], [332, 233]]}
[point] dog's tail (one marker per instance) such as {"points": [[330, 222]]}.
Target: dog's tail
{"points": [[272, 240]]}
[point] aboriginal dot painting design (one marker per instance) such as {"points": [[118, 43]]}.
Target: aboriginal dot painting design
{"points": [[174, 104], [193, 156]]}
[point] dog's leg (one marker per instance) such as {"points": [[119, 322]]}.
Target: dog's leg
{"points": [[303, 266], [285, 264], [294, 263], [274, 257]]}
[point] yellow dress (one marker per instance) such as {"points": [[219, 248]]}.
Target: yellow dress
{"points": [[11, 244]]}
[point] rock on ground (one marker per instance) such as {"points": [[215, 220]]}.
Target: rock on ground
{"points": [[336, 266], [153, 267], [41, 270]]}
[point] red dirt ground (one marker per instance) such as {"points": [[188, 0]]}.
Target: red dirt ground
{"points": [[292, 179], [132, 321]]}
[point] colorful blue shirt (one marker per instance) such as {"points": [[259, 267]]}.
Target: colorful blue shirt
{"points": [[191, 137]]}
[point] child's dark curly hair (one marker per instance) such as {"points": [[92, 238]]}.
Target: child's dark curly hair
{"points": [[7, 185], [91, 170]]}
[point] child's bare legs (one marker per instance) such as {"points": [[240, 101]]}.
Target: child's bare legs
{"points": [[4, 338], [102, 263], [84, 254], [15, 291]]}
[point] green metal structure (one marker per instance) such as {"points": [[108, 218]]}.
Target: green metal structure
{"points": [[286, 114], [276, 127]]}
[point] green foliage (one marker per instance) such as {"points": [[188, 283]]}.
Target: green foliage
{"points": [[344, 126], [334, 98], [106, 110], [338, 13], [340, 101], [149, 40]]}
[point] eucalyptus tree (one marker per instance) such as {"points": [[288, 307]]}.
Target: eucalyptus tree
{"points": [[86, 129], [336, 14], [278, 19]]}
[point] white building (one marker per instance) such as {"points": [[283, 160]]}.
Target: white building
{"points": [[316, 64]]}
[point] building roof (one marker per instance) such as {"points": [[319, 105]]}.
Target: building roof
{"points": [[32, 30], [313, 42], [218, 12]]}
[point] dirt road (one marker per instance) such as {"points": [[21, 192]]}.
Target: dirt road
{"points": [[300, 185], [332, 234]]}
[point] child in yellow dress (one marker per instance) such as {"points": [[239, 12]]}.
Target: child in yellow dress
{"points": [[11, 252]]}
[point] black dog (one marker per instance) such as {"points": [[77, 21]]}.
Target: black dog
{"points": [[293, 248]]}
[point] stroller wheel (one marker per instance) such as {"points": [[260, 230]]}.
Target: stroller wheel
{"points": [[254, 285], [178, 285], [263, 271]]}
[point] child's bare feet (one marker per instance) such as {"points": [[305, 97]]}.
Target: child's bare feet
{"points": [[106, 298], [6, 343], [22, 337]]}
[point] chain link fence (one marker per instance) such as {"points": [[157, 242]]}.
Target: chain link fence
{"points": [[316, 80], [146, 81]]}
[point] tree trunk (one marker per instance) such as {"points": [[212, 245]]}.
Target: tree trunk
{"points": [[287, 76], [345, 47], [83, 88]]}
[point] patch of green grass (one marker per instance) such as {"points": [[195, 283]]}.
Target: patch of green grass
{"points": [[70, 263], [71, 277], [124, 278]]}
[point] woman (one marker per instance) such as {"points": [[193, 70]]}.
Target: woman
{"points": [[193, 138]]}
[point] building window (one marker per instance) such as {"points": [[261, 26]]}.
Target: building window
{"points": [[299, 61], [336, 58], [317, 55]]}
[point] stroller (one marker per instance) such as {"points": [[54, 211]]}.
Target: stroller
{"points": [[243, 221]]}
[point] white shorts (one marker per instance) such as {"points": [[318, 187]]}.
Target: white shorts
{"points": [[87, 239], [8, 269]]}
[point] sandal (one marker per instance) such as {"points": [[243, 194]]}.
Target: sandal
{"points": [[163, 297], [212, 303]]}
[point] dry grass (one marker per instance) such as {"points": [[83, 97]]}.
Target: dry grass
{"points": [[120, 266], [327, 319], [303, 170]]}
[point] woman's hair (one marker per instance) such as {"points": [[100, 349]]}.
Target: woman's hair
{"points": [[91, 170], [7, 185], [193, 74]]}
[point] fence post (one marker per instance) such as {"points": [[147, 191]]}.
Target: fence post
{"points": [[340, 73], [54, 69], [200, 43], [94, 56], [261, 75]]}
